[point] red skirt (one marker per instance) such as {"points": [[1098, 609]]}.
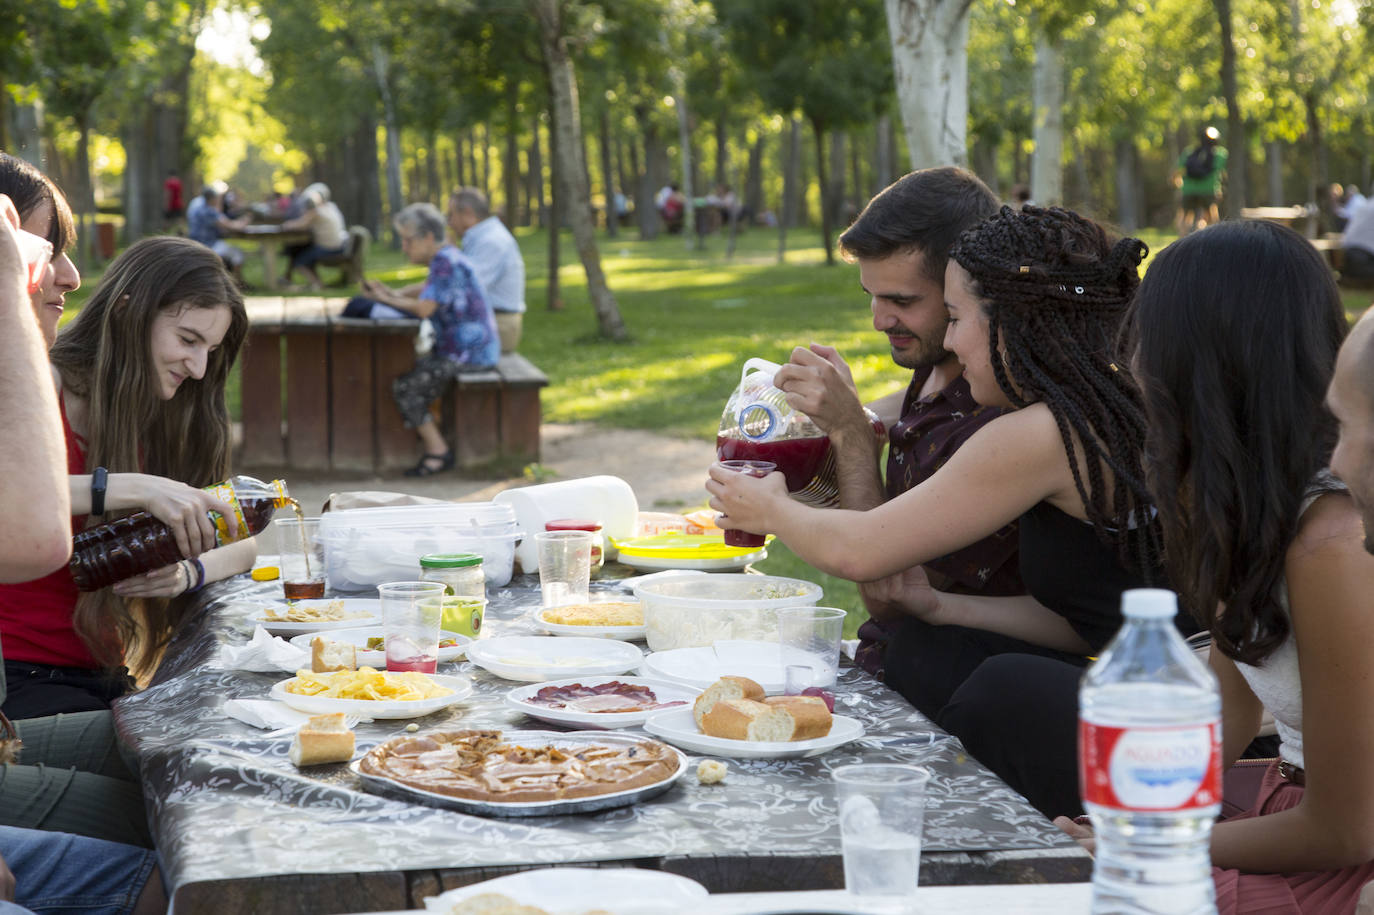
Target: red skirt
{"points": [[1308, 893]]}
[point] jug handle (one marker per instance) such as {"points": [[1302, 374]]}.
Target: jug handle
{"points": [[762, 364]]}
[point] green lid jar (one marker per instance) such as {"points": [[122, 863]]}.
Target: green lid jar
{"points": [[460, 573]]}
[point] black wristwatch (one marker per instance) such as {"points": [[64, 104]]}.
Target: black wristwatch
{"points": [[98, 477]]}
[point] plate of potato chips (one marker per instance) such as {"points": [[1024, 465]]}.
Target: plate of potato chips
{"points": [[371, 693]]}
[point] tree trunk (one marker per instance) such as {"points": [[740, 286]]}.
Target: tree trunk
{"points": [[1236, 144], [684, 138], [1047, 163], [985, 163], [883, 163], [432, 168], [607, 182], [930, 66], [26, 132], [1126, 215], [790, 191], [836, 191], [393, 138], [486, 159], [85, 196], [818, 131], [722, 151], [511, 167], [558, 196], [567, 150], [538, 213], [365, 182], [857, 194], [645, 213], [1273, 159], [1082, 185], [753, 181]]}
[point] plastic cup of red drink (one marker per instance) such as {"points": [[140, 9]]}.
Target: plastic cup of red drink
{"points": [[411, 611], [753, 469]]}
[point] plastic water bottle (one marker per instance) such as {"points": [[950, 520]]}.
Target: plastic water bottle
{"points": [[1149, 742]]}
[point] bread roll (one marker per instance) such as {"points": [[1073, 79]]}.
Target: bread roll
{"points": [[322, 739], [810, 713], [327, 656], [724, 688], [745, 719]]}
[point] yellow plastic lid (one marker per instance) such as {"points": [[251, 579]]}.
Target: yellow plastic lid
{"points": [[266, 573], [684, 546]]}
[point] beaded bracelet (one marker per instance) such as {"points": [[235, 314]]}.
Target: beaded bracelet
{"points": [[200, 576]]}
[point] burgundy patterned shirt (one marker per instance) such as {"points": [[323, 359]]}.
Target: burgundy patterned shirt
{"points": [[930, 430]]}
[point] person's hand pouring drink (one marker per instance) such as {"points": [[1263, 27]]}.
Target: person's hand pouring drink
{"points": [[184, 509], [818, 382]]}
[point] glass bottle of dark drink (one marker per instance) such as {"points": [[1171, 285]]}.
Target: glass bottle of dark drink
{"points": [[110, 553]]}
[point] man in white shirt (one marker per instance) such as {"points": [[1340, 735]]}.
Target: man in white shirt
{"points": [[495, 259], [1357, 244]]}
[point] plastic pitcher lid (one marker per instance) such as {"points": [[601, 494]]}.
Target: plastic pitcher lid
{"points": [[572, 524], [450, 560]]}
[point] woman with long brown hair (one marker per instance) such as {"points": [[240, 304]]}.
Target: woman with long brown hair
{"points": [[140, 375]]}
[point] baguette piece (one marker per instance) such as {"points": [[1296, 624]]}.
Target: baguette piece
{"points": [[322, 739], [328, 656], [811, 715], [724, 688]]}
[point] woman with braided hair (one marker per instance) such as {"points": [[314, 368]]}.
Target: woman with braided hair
{"points": [[1035, 300]]}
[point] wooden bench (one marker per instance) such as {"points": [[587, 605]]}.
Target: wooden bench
{"points": [[316, 394], [1298, 217], [353, 259]]}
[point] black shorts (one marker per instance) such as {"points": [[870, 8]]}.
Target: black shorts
{"points": [[1198, 201]]}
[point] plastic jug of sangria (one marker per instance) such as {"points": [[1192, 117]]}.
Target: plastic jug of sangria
{"points": [[758, 424]]}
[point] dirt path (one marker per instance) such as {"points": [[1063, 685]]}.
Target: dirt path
{"points": [[665, 473]]}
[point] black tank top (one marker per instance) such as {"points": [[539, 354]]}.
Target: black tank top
{"points": [[1071, 571]]}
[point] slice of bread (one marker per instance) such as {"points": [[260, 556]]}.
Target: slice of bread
{"points": [[327, 656], [322, 739], [745, 719], [810, 714], [724, 688]]}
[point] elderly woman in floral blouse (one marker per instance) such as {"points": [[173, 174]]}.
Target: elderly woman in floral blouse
{"points": [[465, 337]]}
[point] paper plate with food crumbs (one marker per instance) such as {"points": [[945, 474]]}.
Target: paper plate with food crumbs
{"points": [[607, 619], [297, 617], [534, 658]]}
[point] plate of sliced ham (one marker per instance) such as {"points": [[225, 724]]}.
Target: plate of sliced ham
{"points": [[600, 702]]}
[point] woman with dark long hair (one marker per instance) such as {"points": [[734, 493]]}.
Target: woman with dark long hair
{"points": [[1035, 300], [140, 375], [44, 212], [1234, 336]]}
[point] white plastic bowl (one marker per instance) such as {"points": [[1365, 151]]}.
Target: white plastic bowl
{"points": [[697, 610]]}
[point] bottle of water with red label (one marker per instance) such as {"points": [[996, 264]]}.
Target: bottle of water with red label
{"points": [[1149, 744]]}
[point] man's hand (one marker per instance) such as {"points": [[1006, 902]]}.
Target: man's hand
{"points": [[6, 881], [818, 382], [907, 593], [1079, 832]]}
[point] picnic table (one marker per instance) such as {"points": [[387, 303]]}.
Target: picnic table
{"points": [[269, 238], [239, 828], [336, 400]]}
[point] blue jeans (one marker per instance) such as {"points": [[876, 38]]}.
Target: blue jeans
{"points": [[56, 872]]}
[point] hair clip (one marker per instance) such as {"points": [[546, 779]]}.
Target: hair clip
{"points": [[1112, 366], [1078, 289], [1025, 268]]}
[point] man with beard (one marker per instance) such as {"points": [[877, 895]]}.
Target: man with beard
{"points": [[901, 242]]}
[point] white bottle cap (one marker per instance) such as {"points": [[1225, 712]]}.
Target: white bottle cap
{"points": [[1149, 604]]}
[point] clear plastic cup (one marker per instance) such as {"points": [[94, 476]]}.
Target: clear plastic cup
{"points": [[565, 566], [809, 644], [882, 810], [411, 612], [36, 252], [301, 558], [753, 469]]}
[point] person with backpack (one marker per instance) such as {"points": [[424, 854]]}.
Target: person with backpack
{"points": [[1199, 178]]}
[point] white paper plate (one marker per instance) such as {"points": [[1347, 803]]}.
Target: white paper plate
{"points": [[664, 563], [376, 708], [623, 633], [677, 727], [518, 699], [535, 658], [700, 667], [372, 658], [628, 890], [369, 610]]}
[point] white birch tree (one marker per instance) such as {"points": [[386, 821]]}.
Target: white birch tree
{"points": [[930, 65]]}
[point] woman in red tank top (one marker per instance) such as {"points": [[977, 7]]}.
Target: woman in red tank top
{"points": [[140, 375]]}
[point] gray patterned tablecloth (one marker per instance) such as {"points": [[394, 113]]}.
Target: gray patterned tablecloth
{"points": [[226, 803]]}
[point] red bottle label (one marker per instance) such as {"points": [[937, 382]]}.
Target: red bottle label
{"points": [[1150, 768]]}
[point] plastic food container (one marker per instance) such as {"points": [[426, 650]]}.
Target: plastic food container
{"points": [[364, 547], [608, 500], [691, 610]]}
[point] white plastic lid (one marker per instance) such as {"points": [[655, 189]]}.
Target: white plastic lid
{"points": [[1149, 604]]}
